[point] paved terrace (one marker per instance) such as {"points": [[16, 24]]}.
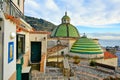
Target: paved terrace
{"points": [[85, 72], [51, 74], [81, 71]]}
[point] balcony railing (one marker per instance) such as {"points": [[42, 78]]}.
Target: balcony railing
{"points": [[7, 6]]}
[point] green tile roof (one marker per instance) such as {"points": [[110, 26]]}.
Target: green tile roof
{"points": [[65, 17], [86, 46], [65, 30]]}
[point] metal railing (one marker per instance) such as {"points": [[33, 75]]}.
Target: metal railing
{"points": [[7, 6]]}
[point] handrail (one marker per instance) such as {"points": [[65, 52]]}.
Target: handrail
{"points": [[16, 8], [13, 9]]}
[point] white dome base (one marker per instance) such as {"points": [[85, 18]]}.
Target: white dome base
{"points": [[87, 56]]}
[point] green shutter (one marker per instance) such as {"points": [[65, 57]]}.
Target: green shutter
{"points": [[22, 61], [19, 70]]}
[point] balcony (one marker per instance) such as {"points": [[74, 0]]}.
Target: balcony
{"points": [[7, 6]]}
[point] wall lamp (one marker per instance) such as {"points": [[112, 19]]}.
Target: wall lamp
{"points": [[12, 35]]}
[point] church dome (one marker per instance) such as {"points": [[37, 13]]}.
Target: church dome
{"points": [[65, 29], [86, 47]]}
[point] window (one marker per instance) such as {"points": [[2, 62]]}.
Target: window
{"points": [[1, 0], [18, 2], [62, 53], [20, 45]]}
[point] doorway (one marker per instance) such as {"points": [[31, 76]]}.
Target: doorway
{"points": [[36, 52]]}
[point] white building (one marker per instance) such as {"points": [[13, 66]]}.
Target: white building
{"points": [[16, 40]]}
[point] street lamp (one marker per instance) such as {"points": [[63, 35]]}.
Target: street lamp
{"points": [[58, 43]]}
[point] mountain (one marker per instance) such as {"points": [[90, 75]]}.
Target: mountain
{"points": [[40, 24]]}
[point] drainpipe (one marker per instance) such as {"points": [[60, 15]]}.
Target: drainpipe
{"points": [[2, 46], [3, 51], [10, 7]]}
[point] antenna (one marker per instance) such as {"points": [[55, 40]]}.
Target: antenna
{"points": [[66, 10]]}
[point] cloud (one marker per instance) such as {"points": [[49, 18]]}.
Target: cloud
{"points": [[112, 36], [31, 5], [97, 12], [32, 8], [91, 13], [50, 4]]}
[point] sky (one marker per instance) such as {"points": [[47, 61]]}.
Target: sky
{"points": [[101, 17]]}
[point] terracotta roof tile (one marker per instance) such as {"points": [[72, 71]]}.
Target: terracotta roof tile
{"points": [[39, 32], [55, 49], [108, 55]]}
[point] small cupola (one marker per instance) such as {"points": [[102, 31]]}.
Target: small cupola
{"points": [[65, 18], [84, 36]]}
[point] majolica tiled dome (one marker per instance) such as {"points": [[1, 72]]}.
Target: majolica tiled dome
{"points": [[86, 46], [65, 29]]}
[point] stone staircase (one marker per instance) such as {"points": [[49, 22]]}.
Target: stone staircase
{"points": [[36, 75]]}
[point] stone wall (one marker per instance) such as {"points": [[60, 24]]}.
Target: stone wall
{"points": [[110, 61]]}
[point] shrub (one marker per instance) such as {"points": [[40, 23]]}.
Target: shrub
{"points": [[76, 59], [92, 63], [67, 55]]}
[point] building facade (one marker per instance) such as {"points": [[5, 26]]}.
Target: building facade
{"points": [[8, 54], [16, 40], [11, 10]]}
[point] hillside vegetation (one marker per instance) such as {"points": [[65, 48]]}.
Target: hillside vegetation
{"points": [[40, 24]]}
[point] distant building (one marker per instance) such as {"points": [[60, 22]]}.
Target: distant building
{"points": [[66, 32], [80, 46], [65, 29], [87, 48], [109, 59]]}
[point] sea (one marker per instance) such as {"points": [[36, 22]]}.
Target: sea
{"points": [[111, 43]]}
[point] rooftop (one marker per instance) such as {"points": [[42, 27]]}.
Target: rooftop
{"points": [[86, 46], [108, 55], [65, 29], [55, 49]]}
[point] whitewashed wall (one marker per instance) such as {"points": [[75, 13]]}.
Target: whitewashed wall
{"points": [[87, 56], [65, 50], [67, 42], [27, 48], [71, 42], [9, 68], [21, 6], [110, 61], [27, 41], [39, 38]]}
